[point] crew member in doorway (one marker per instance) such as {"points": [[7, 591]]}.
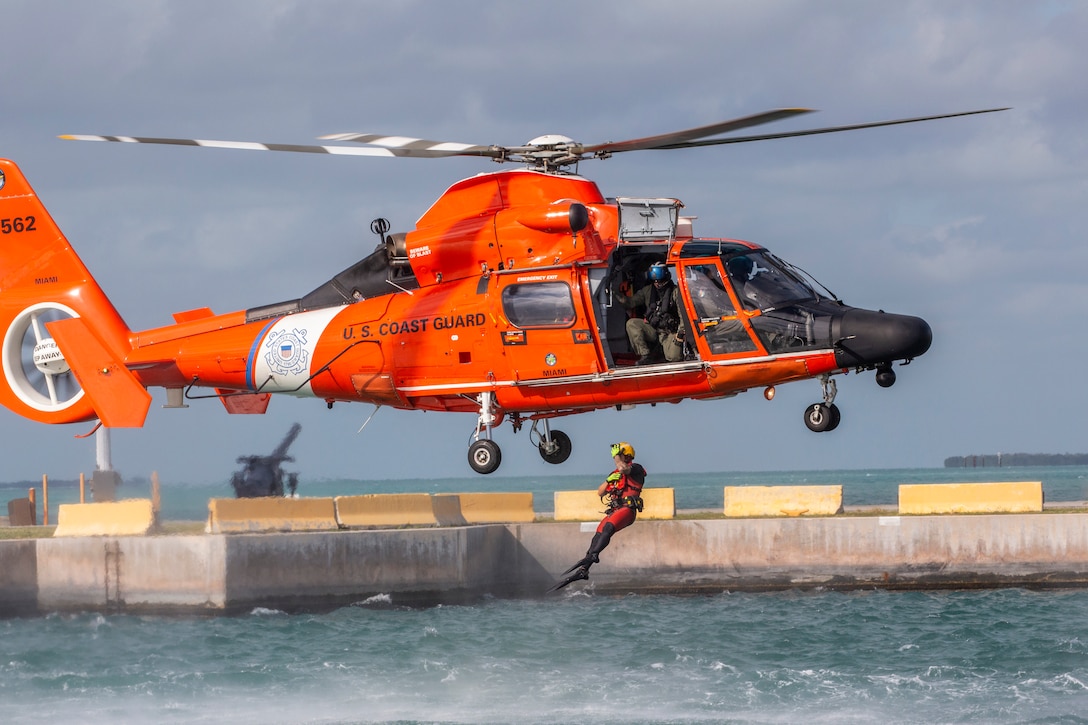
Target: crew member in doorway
{"points": [[661, 331], [621, 493]]}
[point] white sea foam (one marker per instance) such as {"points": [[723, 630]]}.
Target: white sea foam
{"points": [[376, 600]]}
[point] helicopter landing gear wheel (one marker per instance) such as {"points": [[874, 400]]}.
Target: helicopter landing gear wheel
{"points": [[484, 456], [835, 417], [554, 445], [559, 450], [825, 416], [822, 417]]}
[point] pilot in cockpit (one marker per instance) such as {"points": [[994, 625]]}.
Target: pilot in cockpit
{"points": [[709, 297], [740, 273]]}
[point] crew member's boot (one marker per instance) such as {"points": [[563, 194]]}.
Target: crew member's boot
{"points": [[597, 544], [650, 358], [581, 570]]}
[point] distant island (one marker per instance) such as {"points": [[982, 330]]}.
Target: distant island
{"points": [[999, 460]]}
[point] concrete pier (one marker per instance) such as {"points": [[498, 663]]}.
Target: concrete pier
{"points": [[223, 574]]}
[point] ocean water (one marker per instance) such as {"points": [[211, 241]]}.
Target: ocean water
{"points": [[1001, 656], [991, 656]]}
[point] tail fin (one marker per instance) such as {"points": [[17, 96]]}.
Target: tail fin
{"points": [[43, 283]]}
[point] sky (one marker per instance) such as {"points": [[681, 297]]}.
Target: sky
{"points": [[976, 224]]}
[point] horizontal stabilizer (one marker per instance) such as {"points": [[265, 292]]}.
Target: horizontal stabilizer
{"points": [[118, 398], [244, 403]]}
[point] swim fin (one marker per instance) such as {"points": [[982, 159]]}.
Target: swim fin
{"points": [[584, 563], [582, 572], [596, 546]]}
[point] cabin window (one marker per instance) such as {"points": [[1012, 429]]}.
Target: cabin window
{"points": [[544, 304]]}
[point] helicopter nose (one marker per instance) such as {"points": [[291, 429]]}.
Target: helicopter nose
{"points": [[867, 337]]}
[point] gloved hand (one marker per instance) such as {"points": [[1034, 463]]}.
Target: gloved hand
{"points": [[614, 477]]}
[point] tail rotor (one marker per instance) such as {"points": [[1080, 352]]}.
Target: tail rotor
{"points": [[33, 364]]}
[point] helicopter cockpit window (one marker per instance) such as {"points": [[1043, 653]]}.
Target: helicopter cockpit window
{"points": [[544, 304], [793, 314], [762, 282], [717, 317], [707, 291]]}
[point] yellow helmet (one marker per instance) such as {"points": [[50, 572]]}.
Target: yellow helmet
{"points": [[625, 448]]}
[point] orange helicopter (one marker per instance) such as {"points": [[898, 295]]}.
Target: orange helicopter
{"points": [[509, 300]]}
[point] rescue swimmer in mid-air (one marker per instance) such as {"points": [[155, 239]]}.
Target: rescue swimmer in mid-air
{"points": [[621, 495], [505, 301]]}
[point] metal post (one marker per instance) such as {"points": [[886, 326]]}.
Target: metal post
{"points": [[102, 449], [156, 496]]}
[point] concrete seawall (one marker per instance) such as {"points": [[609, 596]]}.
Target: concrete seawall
{"points": [[218, 573]]}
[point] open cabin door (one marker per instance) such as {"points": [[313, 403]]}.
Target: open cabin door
{"points": [[647, 228]]}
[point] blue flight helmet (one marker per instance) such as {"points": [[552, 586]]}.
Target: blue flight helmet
{"points": [[659, 272]]}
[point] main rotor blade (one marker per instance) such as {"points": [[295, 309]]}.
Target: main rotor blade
{"points": [[249, 145], [815, 131], [416, 147], [669, 140]]}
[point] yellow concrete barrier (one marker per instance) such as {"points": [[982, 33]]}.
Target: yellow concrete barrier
{"points": [[387, 509], [493, 507], [273, 513], [578, 506], [971, 498], [783, 500], [657, 503], [447, 509], [133, 517]]}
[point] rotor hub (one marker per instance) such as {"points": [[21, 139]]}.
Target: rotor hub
{"points": [[551, 140]]}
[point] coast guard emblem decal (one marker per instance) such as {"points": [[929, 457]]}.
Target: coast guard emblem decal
{"points": [[286, 354]]}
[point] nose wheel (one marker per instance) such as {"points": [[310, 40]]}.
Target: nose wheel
{"points": [[825, 416], [822, 417]]}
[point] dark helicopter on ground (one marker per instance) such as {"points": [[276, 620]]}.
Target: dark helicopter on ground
{"points": [[264, 475]]}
